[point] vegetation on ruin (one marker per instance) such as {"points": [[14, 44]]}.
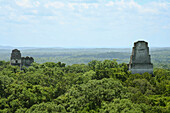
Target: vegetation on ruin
{"points": [[99, 86]]}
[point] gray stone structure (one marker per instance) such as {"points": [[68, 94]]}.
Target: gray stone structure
{"points": [[17, 60], [140, 61]]}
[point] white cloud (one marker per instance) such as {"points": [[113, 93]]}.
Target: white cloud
{"points": [[148, 10], [134, 6], [164, 5], [79, 6], [72, 5], [24, 3], [37, 3], [102, 10], [86, 6], [110, 3], [123, 5], [155, 7], [55, 4], [27, 3]]}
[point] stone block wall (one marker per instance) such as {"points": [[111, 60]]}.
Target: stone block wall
{"points": [[140, 61]]}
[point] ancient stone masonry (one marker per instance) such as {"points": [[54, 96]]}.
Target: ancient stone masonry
{"points": [[17, 60], [26, 61], [140, 61]]}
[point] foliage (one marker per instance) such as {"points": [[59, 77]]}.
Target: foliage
{"points": [[99, 86]]}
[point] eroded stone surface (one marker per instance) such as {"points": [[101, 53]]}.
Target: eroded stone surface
{"points": [[140, 61], [17, 60], [15, 57]]}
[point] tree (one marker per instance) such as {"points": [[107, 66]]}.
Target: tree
{"points": [[89, 96]]}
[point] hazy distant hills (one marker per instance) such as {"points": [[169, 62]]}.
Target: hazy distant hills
{"points": [[54, 48], [25, 48], [83, 55], [10, 47]]}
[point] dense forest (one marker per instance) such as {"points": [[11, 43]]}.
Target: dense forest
{"points": [[96, 87]]}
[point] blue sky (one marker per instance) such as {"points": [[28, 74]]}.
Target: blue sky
{"points": [[84, 23]]}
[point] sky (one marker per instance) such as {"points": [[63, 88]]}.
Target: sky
{"points": [[84, 23]]}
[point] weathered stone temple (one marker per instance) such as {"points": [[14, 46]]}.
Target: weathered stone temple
{"points": [[17, 60], [140, 61]]}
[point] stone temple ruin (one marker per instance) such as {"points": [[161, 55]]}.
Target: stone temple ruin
{"points": [[140, 61], [17, 60]]}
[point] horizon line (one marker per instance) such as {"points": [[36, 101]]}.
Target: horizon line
{"points": [[72, 47]]}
